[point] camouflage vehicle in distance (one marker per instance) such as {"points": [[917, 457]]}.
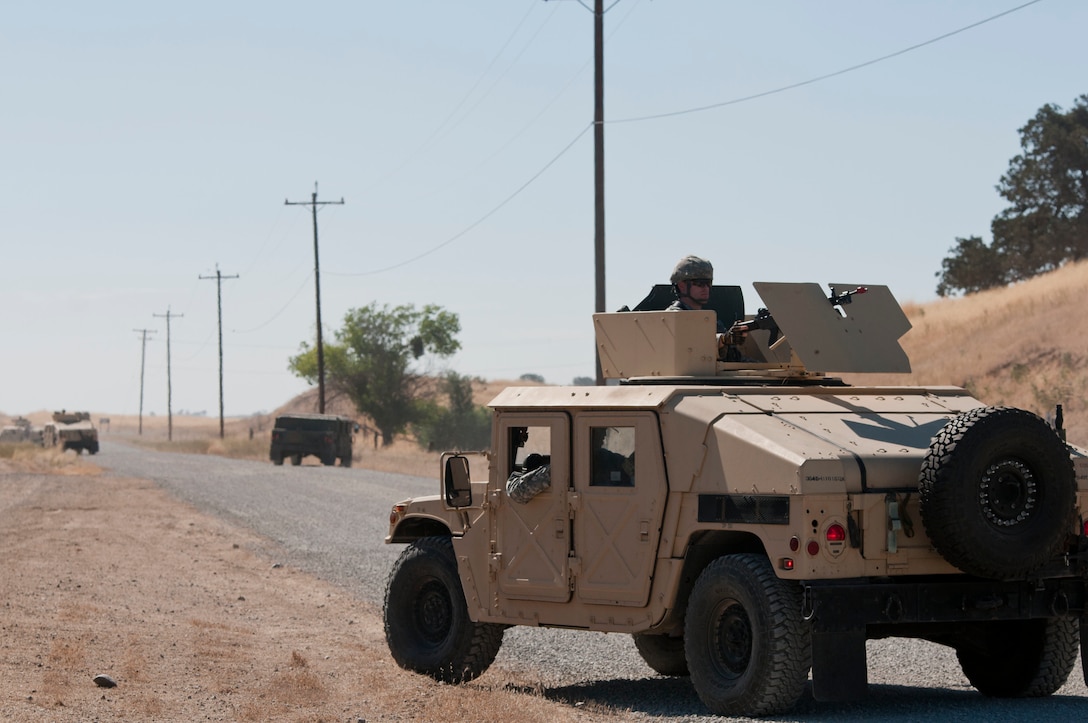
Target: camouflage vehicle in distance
{"points": [[751, 520], [325, 436], [21, 431], [71, 430]]}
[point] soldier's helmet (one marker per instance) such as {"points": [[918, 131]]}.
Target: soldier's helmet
{"points": [[692, 267]]}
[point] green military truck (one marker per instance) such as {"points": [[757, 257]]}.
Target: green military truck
{"points": [[750, 520], [325, 436]]}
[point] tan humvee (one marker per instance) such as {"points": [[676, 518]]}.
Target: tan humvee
{"points": [[71, 430], [749, 520]]}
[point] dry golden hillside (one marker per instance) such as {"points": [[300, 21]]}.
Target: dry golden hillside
{"points": [[1025, 345]]}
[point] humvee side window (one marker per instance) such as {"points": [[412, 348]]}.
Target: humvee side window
{"points": [[612, 451], [530, 447]]}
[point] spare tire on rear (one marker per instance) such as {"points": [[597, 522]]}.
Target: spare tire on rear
{"points": [[997, 492]]}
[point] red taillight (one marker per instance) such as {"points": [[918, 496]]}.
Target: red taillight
{"points": [[795, 544], [836, 533], [1085, 530], [786, 563], [813, 548]]}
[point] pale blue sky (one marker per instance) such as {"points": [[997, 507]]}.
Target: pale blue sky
{"points": [[142, 144]]}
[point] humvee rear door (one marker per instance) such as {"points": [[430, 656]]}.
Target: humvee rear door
{"points": [[620, 492]]}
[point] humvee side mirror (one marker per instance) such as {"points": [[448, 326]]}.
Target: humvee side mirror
{"points": [[458, 482]]}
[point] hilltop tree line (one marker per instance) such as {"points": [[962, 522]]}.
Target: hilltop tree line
{"points": [[1046, 223]]}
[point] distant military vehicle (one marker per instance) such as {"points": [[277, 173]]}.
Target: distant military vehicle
{"points": [[21, 431], [747, 518], [71, 430], [325, 436]]}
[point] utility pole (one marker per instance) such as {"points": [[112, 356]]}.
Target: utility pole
{"points": [[219, 305], [143, 353], [598, 163], [169, 403], [313, 203]]}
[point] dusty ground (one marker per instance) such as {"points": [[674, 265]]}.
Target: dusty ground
{"points": [[108, 576]]}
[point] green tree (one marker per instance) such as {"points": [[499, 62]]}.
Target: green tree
{"points": [[1046, 223], [461, 425], [371, 361], [973, 266]]}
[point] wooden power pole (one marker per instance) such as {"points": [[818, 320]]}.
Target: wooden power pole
{"points": [[169, 402], [219, 305], [313, 203], [143, 354]]}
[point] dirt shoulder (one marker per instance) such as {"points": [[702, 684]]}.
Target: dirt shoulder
{"points": [[112, 576]]}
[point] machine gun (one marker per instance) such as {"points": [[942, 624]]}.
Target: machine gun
{"points": [[762, 320], [846, 297]]}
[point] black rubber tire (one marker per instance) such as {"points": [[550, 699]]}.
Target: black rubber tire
{"points": [[664, 653], [997, 492], [748, 649], [345, 461], [296, 459], [1020, 658], [278, 461], [1084, 647], [427, 626]]}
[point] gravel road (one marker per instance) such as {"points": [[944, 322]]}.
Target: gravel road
{"points": [[331, 522]]}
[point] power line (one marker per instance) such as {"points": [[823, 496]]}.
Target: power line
{"points": [[481, 219], [819, 78]]}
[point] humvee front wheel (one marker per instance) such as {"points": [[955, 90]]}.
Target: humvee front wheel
{"points": [[747, 646], [997, 492], [427, 626], [663, 653], [1019, 658]]}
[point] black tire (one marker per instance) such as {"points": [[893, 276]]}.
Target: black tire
{"points": [[296, 459], [1084, 647], [747, 646], [1020, 658], [427, 626], [664, 653], [278, 461], [345, 461], [997, 492]]}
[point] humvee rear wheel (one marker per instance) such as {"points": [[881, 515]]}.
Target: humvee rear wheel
{"points": [[663, 653], [296, 459], [1084, 647], [277, 460], [345, 461], [1019, 658], [427, 626], [748, 648], [997, 492]]}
